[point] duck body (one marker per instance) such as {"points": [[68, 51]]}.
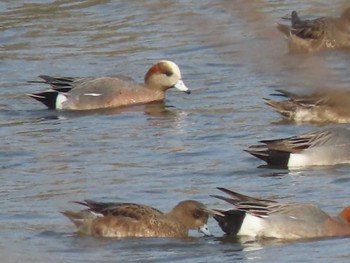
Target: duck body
{"points": [[318, 34], [323, 106], [120, 220], [263, 218], [328, 146], [90, 93]]}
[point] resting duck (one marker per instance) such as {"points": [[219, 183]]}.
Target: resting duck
{"points": [[322, 106], [329, 146], [317, 34], [91, 93], [120, 220], [263, 218]]}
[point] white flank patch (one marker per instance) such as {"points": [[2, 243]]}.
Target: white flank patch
{"points": [[296, 160], [59, 100], [252, 226], [92, 94]]}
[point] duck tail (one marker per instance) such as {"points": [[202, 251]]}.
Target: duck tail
{"points": [[285, 108], [274, 158], [285, 29], [49, 98], [77, 218], [83, 220]]}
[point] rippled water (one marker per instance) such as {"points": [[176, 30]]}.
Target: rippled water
{"points": [[231, 56]]}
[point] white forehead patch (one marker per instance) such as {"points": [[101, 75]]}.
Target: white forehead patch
{"points": [[173, 66]]}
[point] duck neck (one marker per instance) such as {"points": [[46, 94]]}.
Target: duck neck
{"points": [[177, 216]]}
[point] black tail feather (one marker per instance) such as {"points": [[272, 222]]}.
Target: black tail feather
{"points": [[273, 158], [63, 84], [48, 98]]}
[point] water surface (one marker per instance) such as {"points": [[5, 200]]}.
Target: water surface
{"points": [[231, 56]]}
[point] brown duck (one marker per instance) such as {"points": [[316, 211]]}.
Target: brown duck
{"points": [[120, 220], [317, 34]]}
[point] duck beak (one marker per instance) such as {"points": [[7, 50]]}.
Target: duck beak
{"points": [[205, 230], [180, 85]]}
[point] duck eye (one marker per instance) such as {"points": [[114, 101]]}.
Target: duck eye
{"points": [[197, 214], [168, 73]]}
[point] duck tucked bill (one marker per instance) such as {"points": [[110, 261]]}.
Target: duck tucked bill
{"points": [[120, 220], [327, 146], [263, 218], [317, 34], [322, 106]]}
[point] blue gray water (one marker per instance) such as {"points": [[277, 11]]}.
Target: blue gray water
{"points": [[231, 56]]}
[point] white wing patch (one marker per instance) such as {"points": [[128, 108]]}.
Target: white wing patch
{"points": [[92, 94], [96, 214]]}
